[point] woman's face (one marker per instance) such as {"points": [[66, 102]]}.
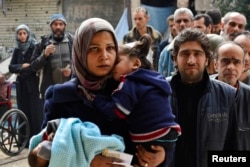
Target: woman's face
{"points": [[22, 35], [101, 54]]}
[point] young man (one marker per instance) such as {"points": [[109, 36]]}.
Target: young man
{"points": [[52, 56], [230, 65], [141, 18], [215, 15], [203, 22], [203, 107]]}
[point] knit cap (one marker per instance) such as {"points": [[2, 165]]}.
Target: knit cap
{"points": [[57, 16]]}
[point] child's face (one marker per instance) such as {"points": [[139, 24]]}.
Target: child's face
{"points": [[124, 66], [51, 136]]}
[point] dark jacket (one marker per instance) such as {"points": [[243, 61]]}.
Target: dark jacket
{"points": [[66, 100], [216, 109], [142, 96], [243, 116], [26, 77], [27, 89], [247, 80], [49, 68], [133, 35]]}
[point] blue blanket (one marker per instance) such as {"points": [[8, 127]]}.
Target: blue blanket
{"points": [[76, 143]]}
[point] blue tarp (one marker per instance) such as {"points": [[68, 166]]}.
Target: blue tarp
{"points": [[122, 27]]}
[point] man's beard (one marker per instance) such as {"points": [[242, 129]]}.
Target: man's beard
{"points": [[58, 37]]}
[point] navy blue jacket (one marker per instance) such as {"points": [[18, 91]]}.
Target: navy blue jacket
{"points": [[243, 116], [216, 121], [66, 100]]}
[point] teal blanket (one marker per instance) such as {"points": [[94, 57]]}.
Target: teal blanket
{"points": [[76, 143]]}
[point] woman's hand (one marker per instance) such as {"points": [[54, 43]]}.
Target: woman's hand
{"points": [[150, 159], [66, 72], [102, 161], [25, 65]]}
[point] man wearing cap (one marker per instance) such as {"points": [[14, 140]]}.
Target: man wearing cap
{"points": [[52, 56]]}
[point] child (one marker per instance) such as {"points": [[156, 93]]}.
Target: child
{"points": [[70, 142], [142, 98]]}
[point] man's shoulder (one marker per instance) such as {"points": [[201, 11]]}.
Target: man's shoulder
{"points": [[155, 33], [220, 86], [70, 36], [244, 86]]}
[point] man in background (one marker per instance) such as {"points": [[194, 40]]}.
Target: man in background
{"points": [[52, 56], [141, 18]]}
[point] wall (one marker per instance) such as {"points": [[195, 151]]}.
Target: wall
{"points": [[77, 11], [36, 14]]}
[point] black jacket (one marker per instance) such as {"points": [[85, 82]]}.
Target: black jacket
{"points": [[216, 109], [42, 65], [243, 116]]}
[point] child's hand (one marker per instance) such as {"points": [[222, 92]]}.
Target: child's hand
{"points": [[149, 159]]}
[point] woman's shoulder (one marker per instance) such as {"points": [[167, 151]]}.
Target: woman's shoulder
{"points": [[63, 92]]}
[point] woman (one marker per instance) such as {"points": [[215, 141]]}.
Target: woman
{"points": [[26, 82], [93, 58]]}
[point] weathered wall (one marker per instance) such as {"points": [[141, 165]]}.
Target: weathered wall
{"points": [[36, 14], [77, 11]]}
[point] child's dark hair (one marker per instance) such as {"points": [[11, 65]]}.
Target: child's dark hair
{"points": [[32, 160], [139, 50]]}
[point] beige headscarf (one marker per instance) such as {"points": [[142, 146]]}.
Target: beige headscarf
{"points": [[83, 37]]}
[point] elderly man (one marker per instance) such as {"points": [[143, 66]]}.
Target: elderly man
{"points": [[183, 18], [233, 23], [230, 65], [52, 56], [243, 39]]}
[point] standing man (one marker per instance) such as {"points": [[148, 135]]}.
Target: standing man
{"points": [[183, 18], [171, 34], [52, 56], [230, 65], [233, 23], [215, 15], [203, 107], [203, 22], [141, 18], [243, 39]]}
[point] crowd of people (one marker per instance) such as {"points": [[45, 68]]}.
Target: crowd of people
{"points": [[190, 98]]}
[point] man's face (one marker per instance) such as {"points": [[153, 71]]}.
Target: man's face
{"points": [[216, 28], [244, 41], [200, 24], [235, 24], [230, 63], [140, 19], [172, 28], [191, 62], [183, 21], [58, 27]]}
